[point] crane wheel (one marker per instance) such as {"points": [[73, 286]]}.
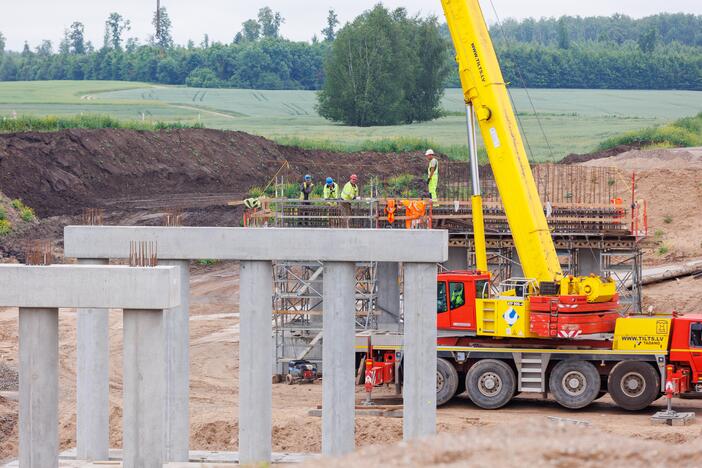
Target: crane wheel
{"points": [[490, 383], [634, 385], [446, 381], [574, 383]]}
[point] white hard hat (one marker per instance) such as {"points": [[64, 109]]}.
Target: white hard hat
{"points": [[430, 152]]}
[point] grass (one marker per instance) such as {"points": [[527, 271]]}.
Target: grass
{"points": [[25, 212], [667, 219], [683, 132], [573, 120], [5, 227], [89, 121], [663, 249], [383, 145]]}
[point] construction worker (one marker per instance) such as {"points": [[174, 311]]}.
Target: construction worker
{"points": [[306, 188], [350, 191], [457, 295], [348, 194], [331, 189], [432, 174]]}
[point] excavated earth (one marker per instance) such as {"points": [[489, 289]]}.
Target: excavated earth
{"points": [[63, 172], [136, 176]]}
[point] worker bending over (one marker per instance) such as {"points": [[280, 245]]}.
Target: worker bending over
{"points": [[306, 188], [432, 175], [348, 194], [331, 189]]}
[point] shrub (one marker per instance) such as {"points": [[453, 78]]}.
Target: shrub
{"points": [[3, 214], [5, 227], [207, 262], [25, 212], [662, 250], [667, 219]]}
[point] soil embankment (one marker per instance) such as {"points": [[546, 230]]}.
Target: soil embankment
{"points": [[61, 173], [136, 176]]}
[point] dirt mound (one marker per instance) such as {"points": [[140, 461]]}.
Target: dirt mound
{"points": [[644, 160], [63, 172], [581, 158], [533, 444]]}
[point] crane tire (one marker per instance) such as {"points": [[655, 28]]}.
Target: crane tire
{"points": [[634, 385], [446, 381], [574, 383], [490, 383]]}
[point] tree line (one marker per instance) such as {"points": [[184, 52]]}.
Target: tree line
{"points": [[657, 52], [257, 56]]}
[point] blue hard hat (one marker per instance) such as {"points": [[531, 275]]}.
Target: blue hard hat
{"points": [[308, 177], [330, 180]]}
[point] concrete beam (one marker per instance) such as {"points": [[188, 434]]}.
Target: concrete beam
{"points": [[259, 244], [419, 415], [93, 382], [255, 362], [84, 286], [338, 391], [38, 387], [144, 389]]}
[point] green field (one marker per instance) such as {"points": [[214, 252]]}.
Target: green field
{"points": [[573, 120]]}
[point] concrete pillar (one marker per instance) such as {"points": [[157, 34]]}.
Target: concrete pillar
{"points": [[419, 350], [93, 381], [388, 275], [458, 258], [177, 336], [144, 389], [38, 388], [255, 362], [338, 384]]}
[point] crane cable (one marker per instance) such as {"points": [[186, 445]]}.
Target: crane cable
{"points": [[526, 90]]}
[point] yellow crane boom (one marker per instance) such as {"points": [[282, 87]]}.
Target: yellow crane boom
{"points": [[485, 90]]}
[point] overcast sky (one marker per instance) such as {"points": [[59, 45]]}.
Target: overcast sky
{"points": [[34, 20]]}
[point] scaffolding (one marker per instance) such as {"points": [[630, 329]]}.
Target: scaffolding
{"points": [[594, 231], [298, 308]]}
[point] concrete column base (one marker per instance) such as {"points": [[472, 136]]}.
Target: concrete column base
{"points": [[338, 391], [177, 334], [144, 389], [255, 362], [419, 416], [38, 388], [93, 381]]}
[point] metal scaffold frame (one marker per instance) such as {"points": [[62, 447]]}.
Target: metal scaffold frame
{"points": [[625, 267], [298, 307]]}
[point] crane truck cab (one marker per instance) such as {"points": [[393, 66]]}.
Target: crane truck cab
{"points": [[456, 295]]}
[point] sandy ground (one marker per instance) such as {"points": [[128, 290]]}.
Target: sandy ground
{"points": [[674, 190], [214, 388], [536, 443], [671, 182]]}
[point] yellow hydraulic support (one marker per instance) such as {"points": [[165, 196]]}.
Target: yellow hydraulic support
{"points": [[479, 233], [484, 88]]}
